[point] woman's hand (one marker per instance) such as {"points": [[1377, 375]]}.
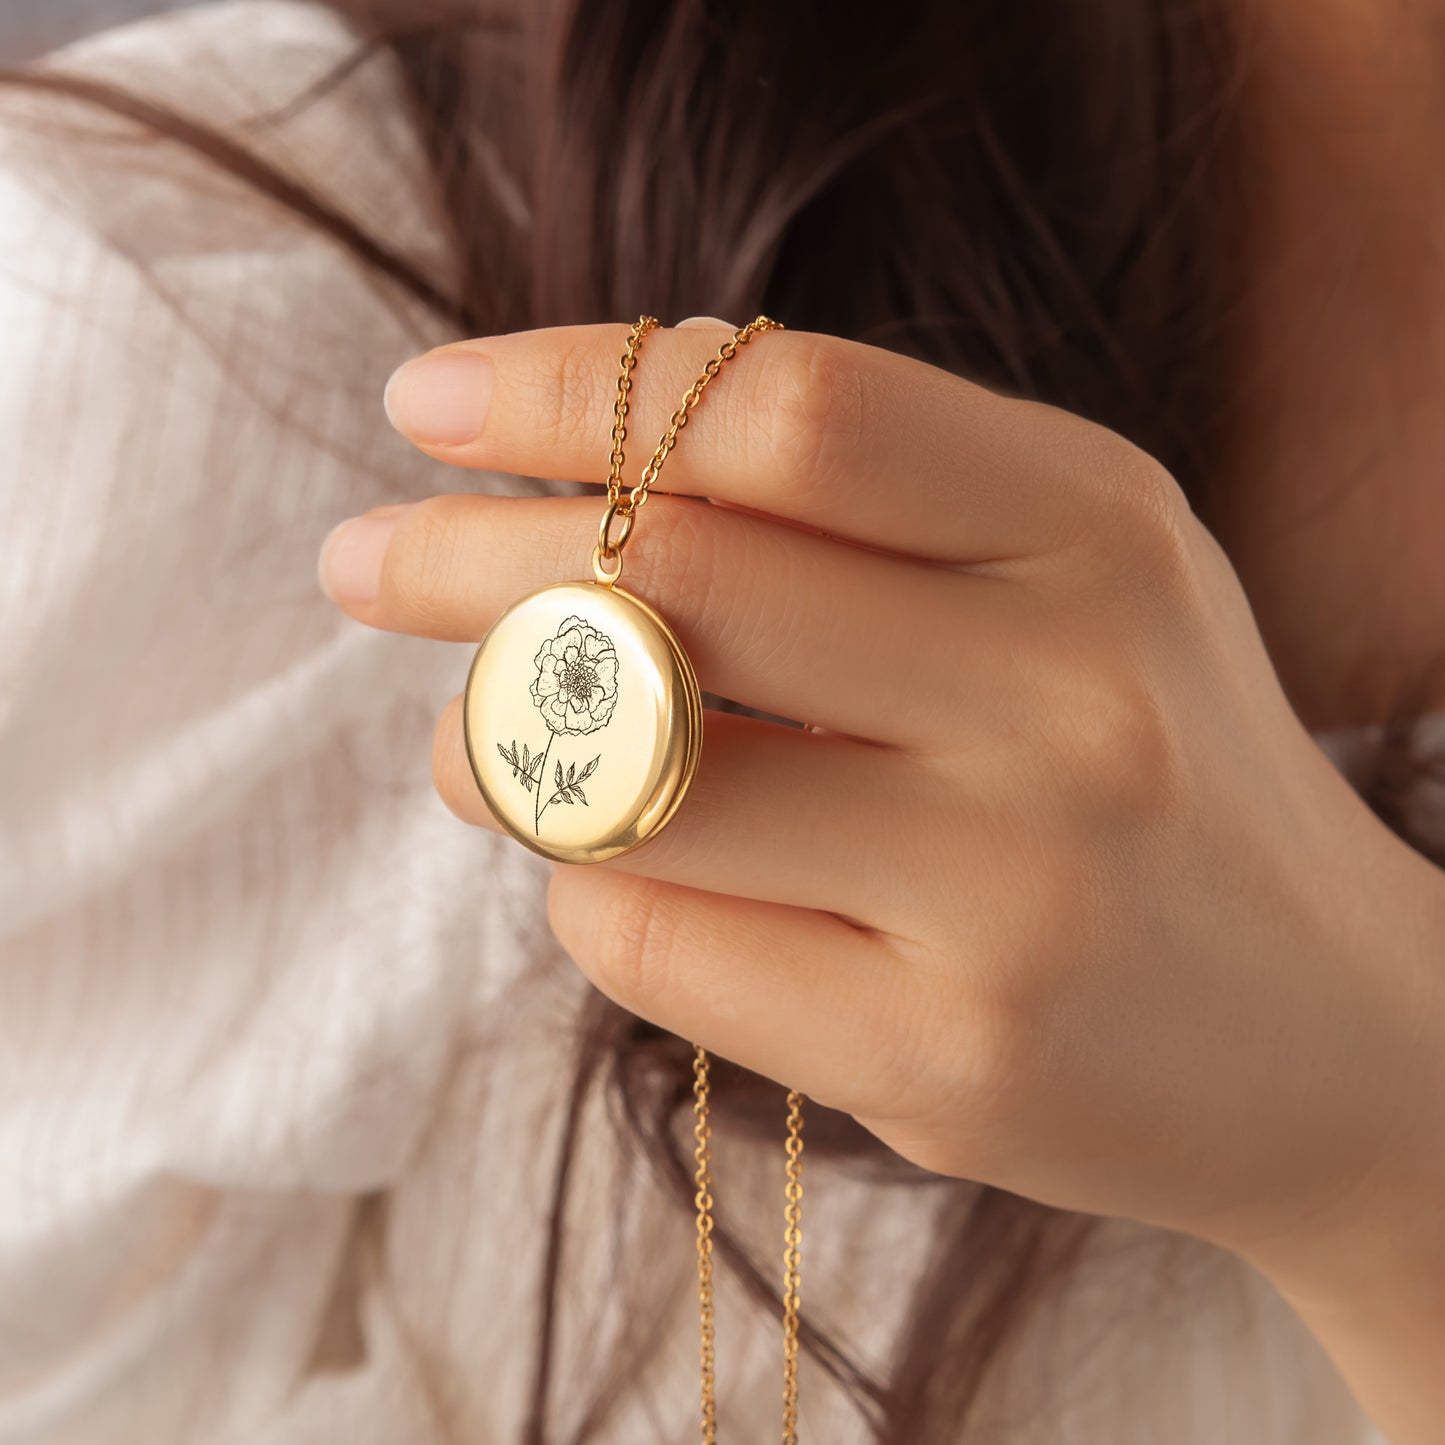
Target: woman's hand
{"points": [[1063, 897]]}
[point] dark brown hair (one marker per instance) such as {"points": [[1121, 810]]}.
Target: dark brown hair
{"points": [[1038, 195]]}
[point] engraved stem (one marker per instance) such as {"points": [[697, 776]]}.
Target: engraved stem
{"points": [[541, 782]]}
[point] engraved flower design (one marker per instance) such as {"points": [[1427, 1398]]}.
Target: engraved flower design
{"points": [[575, 690], [576, 682]]}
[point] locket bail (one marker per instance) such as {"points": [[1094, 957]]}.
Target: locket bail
{"points": [[609, 547]]}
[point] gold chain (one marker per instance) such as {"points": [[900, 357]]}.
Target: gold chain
{"points": [[702, 1132], [792, 1279], [792, 1247], [609, 548]]}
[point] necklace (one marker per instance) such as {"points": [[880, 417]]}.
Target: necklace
{"points": [[587, 657]]}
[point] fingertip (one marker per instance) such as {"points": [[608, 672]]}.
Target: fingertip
{"points": [[440, 399], [348, 566]]}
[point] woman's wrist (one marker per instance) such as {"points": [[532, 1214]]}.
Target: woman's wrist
{"points": [[1366, 1271], [1376, 1304]]}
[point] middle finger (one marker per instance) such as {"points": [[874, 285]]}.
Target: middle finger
{"points": [[773, 616]]}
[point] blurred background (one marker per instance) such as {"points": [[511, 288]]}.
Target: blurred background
{"points": [[29, 27]]}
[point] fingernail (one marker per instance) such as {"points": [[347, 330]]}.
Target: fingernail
{"points": [[349, 567], [440, 399], [707, 321]]}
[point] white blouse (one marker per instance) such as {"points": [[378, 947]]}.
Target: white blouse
{"points": [[284, 1045]]}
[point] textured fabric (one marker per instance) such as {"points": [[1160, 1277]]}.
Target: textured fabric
{"points": [[284, 1045]]}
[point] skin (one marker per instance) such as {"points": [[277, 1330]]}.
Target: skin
{"points": [[1062, 896], [1333, 503]]}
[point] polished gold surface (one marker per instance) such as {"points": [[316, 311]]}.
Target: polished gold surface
{"points": [[583, 721]]}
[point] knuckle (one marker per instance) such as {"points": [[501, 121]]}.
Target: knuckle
{"points": [[1120, 750], [919, 1028], [567, 400], [1137, 511], [1101, 741], [991, 1065], [901, 1040], [809, 403], [991, 1016], [1154, 517], [676, 552], [952, 1071], [419, 575], [1131, 483], [632, 944], [692, 557], [1163, 560], [1158, 501], [1017, 985]]}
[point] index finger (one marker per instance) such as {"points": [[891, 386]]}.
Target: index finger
{"points": [[859, 442]]}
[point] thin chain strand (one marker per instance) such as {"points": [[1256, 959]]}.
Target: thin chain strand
{"points": [[668, 440], [702, 1132], [726, 352], [640, 328], [792, 1249], [702, 1125]]}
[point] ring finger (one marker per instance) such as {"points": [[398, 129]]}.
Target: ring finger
{"points": [[769, 815]]}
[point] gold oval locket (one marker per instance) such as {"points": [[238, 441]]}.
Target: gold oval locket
{"points": [[582, 713], [583, 721]]}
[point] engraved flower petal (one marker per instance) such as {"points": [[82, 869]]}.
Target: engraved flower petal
{"points": [[576, 683]]}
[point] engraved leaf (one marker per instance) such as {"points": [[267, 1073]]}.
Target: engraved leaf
{"points": [[578, 793], [525, 765], [560, 782], [566, 797], [587, 771], [571, 772], [511, 757]]}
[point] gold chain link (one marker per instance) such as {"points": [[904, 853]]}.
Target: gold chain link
{"points": [[792, 1265], [640, 328], [609, 549], [702, 1132], [792, 1251]]}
